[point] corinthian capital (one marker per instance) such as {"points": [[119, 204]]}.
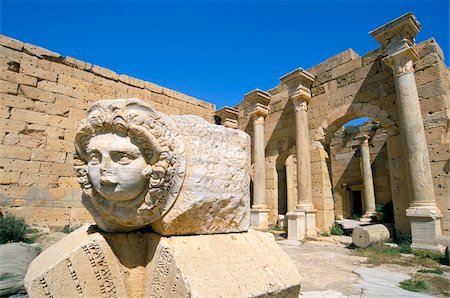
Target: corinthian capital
{"points": [[300, 105], [401, 57]]}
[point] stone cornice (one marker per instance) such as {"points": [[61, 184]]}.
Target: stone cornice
{"points": [[258, 110], [227, 112], [258, 96], [299, 83], [403, 27]]}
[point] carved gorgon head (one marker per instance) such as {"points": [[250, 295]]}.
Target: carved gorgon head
{"points": [[129, 162]]}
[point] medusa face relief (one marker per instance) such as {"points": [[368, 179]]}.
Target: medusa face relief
{"points": [[116, 167], [130, 164]]}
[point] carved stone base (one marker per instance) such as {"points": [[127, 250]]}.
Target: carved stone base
{"points": [[87, 263], [310, 228], [259, 219], [425, 227], [296, 225]]}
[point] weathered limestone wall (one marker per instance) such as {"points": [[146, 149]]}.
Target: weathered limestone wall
{"points": [[43, 96], [346, 170], [348, 86]]}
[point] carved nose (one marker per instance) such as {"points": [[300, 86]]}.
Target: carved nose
{"points": [[106, 163]]}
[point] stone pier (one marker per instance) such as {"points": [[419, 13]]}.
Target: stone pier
{"points": [[397, 37], [299, 83], [259, 214], [368, 189]]}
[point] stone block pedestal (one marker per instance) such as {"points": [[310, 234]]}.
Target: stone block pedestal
{"points": [[425, 227], [310, 225], [88, 263], [259, 219], [296, 225]]}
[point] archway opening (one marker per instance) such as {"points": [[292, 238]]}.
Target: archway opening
{"points": [[350, 196]]}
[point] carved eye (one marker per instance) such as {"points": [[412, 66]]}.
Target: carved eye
{"points": [[123, 158], [95, 158]]}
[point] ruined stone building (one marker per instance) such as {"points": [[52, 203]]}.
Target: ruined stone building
{"points": [[306, 166]]}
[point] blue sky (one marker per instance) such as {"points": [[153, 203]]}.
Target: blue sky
{"points": [[213, 50]]}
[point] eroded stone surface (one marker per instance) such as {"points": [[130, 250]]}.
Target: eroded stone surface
{"points": [[215, 195], [135, 164], [89, 263], [130, 163]]}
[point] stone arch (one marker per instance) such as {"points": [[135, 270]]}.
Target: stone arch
{"points": [[338, 117], [323, 195], [284, 182]]}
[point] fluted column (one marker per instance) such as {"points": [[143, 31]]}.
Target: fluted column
{"points": [[398, 38], [259, 212], [299, 82], [368, 189]]}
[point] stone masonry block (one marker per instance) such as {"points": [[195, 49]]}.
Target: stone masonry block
{"points": [[60, 121], [71, 82], [14, 152], [38, 73], [11, 43], [57, 169], [164, 267], [83, 75], [40, 52], [59, 145], [109, 74], [427, 61], [56, 67], [15, 101], [70, 102], [50, 108], [20, 57], [47, 155], [29, 116], [9, 125], [77, 63], [38, 94], [7, 177], [17, 78], [24, 140], [4, 112], [32, 179], [51, 132], [132, 81], [19, 165], [153, 87], [55, 87], [435, 72], [8, 87]]}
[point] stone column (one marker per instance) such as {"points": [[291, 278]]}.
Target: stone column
{"points": [[368, 189], [398, 39], [299, 83], [259, 100], [228, 117]]}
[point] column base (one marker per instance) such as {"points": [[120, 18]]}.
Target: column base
{"points": [[296, 225], [368, 216], [310, 219], [259, 218], [425, 227]]}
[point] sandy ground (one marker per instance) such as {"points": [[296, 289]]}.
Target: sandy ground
{"points": [[328, 269]]}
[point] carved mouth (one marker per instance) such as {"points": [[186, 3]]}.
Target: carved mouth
{"points": [[108, 184]]}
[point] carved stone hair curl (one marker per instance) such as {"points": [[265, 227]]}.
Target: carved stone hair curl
{"points": [[157, 138]]}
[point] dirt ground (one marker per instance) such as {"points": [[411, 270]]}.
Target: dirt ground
{"points": [[329, 269]]}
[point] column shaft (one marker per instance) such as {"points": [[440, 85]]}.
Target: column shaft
{"points": [[414, 140], [304, 183], [259, 167], [368, 189]]}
